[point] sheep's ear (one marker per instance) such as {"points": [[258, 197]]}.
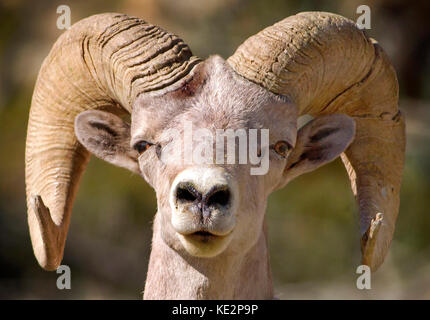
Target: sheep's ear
{"points": [[320, 141], [107, 136]]}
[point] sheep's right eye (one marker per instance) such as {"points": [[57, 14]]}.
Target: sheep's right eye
{"points": [[142, 146]]}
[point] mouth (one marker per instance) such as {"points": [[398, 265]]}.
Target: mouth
{"points": [[203, 236], [204, 244]]}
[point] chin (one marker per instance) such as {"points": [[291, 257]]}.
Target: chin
{"points": [[204, 244]]}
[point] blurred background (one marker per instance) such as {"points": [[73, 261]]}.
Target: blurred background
{"points": [[313, 223]]}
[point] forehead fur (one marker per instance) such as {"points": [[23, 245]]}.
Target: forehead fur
{"points": [[213, 96]]}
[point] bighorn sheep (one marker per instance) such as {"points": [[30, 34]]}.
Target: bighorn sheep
{"points": [[210, 239]]}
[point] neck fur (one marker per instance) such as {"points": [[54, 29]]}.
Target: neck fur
{"points": [[226, 276]]}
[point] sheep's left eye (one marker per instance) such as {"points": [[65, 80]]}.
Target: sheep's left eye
{"points": [[142, 146], [282, 148]]}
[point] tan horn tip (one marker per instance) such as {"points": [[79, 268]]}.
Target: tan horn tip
{"points": [[369, 242], [48, 253]]}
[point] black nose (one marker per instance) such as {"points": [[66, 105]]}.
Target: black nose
{"points": [[185, 192], [218, 196]]}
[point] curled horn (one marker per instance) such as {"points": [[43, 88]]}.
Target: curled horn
{"points": [[102, 62], [324, 64]]}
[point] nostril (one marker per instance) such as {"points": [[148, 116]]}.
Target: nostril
{"points": [[219, 197], [186, 193]]}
